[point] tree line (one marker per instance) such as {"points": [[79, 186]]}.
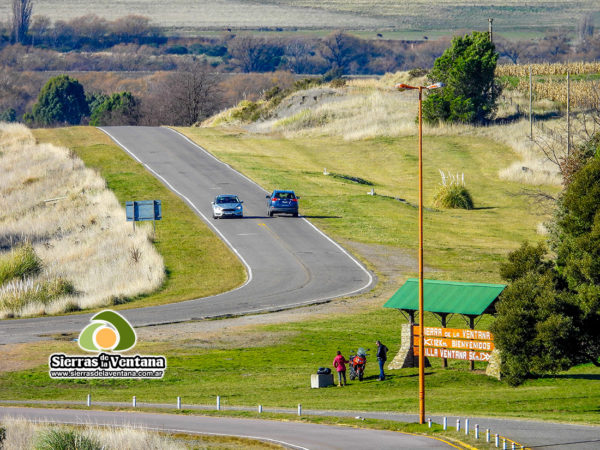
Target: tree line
{"points": [[181, 98], [232, 52]]}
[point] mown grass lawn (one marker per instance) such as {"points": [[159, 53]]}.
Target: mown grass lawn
{"points": [[198, 264], [277, 372]]}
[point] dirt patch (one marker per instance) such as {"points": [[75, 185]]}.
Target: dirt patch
{"points": [[15, 357]]}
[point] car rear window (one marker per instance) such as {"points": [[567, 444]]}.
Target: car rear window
{"points": [[285, 195]]}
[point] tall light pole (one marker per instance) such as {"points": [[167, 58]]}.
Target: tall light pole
{"points": [[403, 87]]}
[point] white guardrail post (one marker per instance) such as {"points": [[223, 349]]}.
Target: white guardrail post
{"points": [[178, 402], [218, 402], [89, 400]]}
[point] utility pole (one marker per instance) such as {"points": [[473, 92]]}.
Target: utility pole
{"points": [[568, 114], [530, 105], [490, 20]]}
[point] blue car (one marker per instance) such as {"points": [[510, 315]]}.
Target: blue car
{"points": [[227, 206], [282, 202]]}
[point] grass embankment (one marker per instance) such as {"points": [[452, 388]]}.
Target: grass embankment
{"points": [[198, 264], [57, 213]]}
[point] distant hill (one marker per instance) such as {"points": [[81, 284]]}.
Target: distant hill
{"points": [[384, 15]]}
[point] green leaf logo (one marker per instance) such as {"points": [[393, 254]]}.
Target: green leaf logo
{"points": [[109, 331]]}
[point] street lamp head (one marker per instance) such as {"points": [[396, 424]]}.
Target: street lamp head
{"points": [[436, 85], [403, 87]]}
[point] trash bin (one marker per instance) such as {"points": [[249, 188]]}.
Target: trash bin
{"points": [[319, 380]]}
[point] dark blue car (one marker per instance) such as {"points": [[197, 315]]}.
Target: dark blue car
{"points": [[282, 202]]}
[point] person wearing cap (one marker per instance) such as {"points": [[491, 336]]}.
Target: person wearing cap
{"points": [[381, 358]]}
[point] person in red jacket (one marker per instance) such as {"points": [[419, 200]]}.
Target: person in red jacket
{"points": [[339, 362]]}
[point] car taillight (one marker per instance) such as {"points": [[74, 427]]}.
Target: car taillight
{"points": [[274, 199], [294, 199]]}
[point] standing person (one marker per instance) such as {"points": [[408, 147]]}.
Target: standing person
{"points": [[381, 358], [339, 362]]}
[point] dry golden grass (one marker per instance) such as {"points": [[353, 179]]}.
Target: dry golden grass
{"points": [[75, 224], [23, 434], [371, 108]]}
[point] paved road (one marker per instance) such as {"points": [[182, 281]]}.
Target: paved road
{"points": [[289, 434], [529, 433], [289, 261]]}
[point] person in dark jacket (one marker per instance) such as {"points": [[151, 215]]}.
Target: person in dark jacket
{"points": [[339, 363], [381, 358]]}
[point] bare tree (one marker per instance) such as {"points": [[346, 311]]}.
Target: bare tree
{"points": [[340, 49], [585, 28], [255, 54], [185, 97], [21, 17]]}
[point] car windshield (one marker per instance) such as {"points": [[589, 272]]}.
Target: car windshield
{"points": [[284, 195], [230, 199]]}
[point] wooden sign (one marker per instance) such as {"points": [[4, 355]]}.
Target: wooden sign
{"points": [[485, 346], [454, 343], [459, 333], [465, 355]]}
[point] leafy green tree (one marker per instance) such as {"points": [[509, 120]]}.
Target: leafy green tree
{"points": [[576, 241], [534, 328], [536, 322], [467, 69], [548, 318], [121, 108], [8, 115], [61, 101]]}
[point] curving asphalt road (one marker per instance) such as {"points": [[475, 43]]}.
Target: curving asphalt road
{"points": [[289, 261], [288, 434]]}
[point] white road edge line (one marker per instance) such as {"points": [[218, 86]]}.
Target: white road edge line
{"points": [[307, 221], [172, 430], [221, 235]]}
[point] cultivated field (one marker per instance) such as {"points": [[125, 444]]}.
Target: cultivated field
{"points": [[418, 15], [64, 210]]}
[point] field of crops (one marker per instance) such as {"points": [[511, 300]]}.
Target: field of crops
{"points": [[550, 81], [417, 15], [522, 70]]}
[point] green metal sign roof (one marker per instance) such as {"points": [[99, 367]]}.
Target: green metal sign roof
{"points": [[446, 296]]}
